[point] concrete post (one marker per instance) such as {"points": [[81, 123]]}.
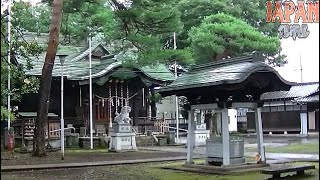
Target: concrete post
{"points": [[219, 123], [225, 137], [190, 141], [259, 131], [304, 123]]}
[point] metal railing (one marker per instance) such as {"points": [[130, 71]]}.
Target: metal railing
{"points": [[74, 129], [176, 128], [174, 121]]}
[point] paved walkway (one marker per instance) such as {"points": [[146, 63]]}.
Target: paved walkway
{"points": [[291, 156], [199, 152], [86, 164], [270, 156]]}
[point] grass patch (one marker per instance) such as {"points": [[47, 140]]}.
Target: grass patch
{"points": [[165, 174], [178, 163], [82, 150], [309, 148]]}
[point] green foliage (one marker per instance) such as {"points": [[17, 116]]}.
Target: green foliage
{"points": [[222, 35], [155, 97], [5, 113], [85, 18], [251, 11], [254, 13], [19, 82], [145, 24], [193, 12], [26, 17], [80, 18]]}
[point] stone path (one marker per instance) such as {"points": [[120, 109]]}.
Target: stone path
{"points": [[86, 164], [199, 153], [270, 156]]}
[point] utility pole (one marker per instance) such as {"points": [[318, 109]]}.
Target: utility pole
{"points": [[8, 58], [176, 97], [62, 60], [90, 94]]}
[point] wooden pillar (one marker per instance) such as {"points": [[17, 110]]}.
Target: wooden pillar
{"points": [[225, 137], [259, 131], [190, 141]]}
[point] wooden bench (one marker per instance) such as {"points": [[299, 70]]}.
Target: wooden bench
{"points": [[277, 170]]}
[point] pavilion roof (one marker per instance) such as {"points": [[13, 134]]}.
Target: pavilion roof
{"points": [[227, 71]]}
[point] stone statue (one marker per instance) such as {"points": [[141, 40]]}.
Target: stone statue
{"points": [[123, 117], [122, 138]]}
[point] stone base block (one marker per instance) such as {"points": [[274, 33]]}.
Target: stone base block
{"points": [[120, 142], [218, 161], [201, 136], [121, 128], [84, 142], [72, 140]]}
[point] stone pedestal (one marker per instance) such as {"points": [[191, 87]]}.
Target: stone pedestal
{"points": [[171, 137], [84, 142], [162, 140], [72, 140], [201, 134], [214, 150], [122, 138], [83, 131]]}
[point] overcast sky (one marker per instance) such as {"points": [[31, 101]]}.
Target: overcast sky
{"points": [[309, 50]]}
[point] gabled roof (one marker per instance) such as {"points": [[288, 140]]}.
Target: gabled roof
{"points": [[228, 71], [309, 99], [301, 90], [76, 66]]}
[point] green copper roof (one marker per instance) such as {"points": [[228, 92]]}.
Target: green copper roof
{"points": [[228, 71], [76, 66]]}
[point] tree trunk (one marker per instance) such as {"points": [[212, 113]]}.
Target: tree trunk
{"points": [[45, 82]]}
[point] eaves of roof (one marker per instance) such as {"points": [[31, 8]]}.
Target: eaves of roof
{"points": [[223, 73]]}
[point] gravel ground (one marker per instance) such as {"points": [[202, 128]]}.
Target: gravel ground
{"points": [[8, 159], [119, 172]]}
